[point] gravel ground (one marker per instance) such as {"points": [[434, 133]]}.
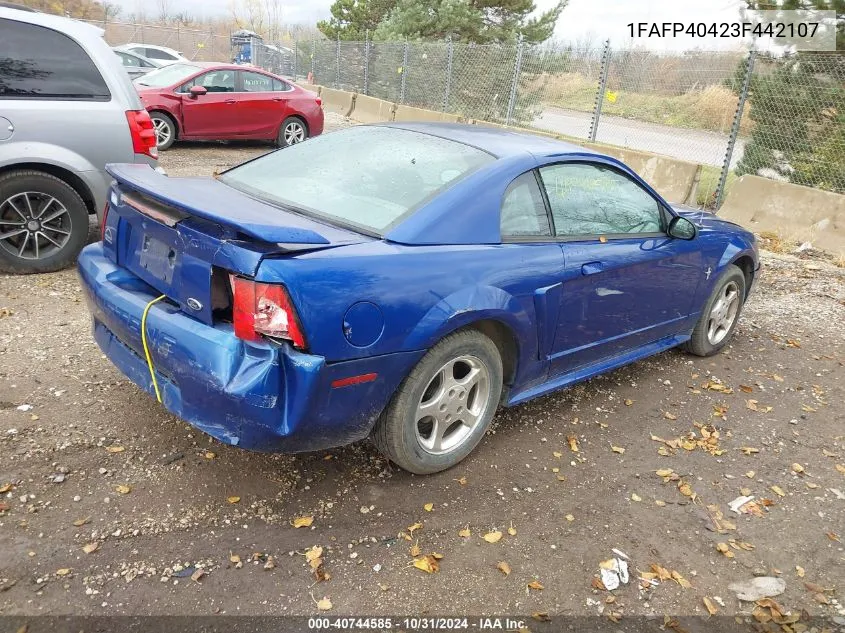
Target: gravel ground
{"points": [[110, 505]]}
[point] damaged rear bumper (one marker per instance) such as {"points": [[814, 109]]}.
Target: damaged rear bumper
{"points": [[259, 396]]}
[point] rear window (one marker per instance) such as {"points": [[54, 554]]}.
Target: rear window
{"points": [[40, 63], [169, 75], [365, 177]]}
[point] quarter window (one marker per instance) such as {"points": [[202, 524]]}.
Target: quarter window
{"points": [[256, 82], [589, 199], [40, 63], [523, 211]]}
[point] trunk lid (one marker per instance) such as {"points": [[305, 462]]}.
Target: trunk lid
{"points": [[185, 236]]}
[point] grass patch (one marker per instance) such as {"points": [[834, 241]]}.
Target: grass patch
{"points": [[706, 194]]}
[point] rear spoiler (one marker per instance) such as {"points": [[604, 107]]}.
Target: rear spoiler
{"points": [[208, 199]]}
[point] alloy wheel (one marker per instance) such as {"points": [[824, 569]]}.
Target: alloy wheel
{"points": [[293, 133], [452, 405], [163, 131], [33, 225], [723, 313]]}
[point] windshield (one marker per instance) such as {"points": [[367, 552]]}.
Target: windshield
{"points": [[363, 176], [169, 75]]}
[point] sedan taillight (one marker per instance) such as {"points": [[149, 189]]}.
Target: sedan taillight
{"points": [[264, 310]]}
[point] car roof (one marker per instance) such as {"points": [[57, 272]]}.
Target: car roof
{"points": [[76, 29], [499, 142], [161, 48]]}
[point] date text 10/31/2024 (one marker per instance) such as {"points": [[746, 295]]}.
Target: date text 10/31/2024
{"points": [[415, 624]]}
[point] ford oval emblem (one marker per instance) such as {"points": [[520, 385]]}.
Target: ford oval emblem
{"points": [[193, 304]]}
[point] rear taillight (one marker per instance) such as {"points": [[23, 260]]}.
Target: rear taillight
{"points": [[319, 101], [143, 133], [264, 310]]}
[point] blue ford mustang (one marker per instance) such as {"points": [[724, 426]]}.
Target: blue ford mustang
{"points": [[400, 281]]}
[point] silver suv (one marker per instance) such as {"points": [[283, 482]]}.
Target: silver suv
{"points": [[67, 108]]}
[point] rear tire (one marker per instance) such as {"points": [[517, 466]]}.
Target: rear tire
{"points": [[165, 128], [44, 223], [444, 406], [292, 131], [720, 315]]}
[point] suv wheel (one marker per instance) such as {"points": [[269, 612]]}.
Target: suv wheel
{"points": [[43, 223]]}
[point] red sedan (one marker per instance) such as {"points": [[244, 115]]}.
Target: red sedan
{"points": [[203, 101]]}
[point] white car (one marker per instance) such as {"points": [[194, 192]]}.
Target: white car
{"points": [[160, 54]]}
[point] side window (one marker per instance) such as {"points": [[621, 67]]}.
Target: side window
{"points": [[154, 53], [256, 82], [588, 199], [37, 62], [523, 211], [129, 60], [280, 86], [213, 81]]}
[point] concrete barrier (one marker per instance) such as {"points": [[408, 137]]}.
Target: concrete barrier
{"points": [[796, 212], [372, 110], [312, 87], [410, 113], [338, 101]]}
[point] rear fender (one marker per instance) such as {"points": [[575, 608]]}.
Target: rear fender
{"points": [[471, 305]]}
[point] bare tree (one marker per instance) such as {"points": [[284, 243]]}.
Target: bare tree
{"points": [[163, 10]]}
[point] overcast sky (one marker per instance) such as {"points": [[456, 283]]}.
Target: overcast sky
{"points": [[596, 19]]}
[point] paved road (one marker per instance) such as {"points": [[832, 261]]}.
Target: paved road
{"points": [[698, 146]]}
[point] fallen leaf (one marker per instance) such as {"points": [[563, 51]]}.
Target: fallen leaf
{"points": [[569, 518], [540, 616], [493, 537], [512, 530], [659, 503], [233, 499], [436, 556], [748, 450], [635, 497], [597, 584], [628, 402], [427, 564], [791, 342], [681, 580], [797, 468], [428, 507], [756, 406], [299, 522], [234, 558], [617, 449], [833, 536], [123, 489], [504, 568], [63, 572], [664, 472], [5, 488], [320, 574], [662, 572], [115, 449], [313, 553], [199, 573], [415, 550], [210, 455], [750, 474], [536, 584], [799, 571], [708, 604], [413, 528], [685, 489], [91, 547], [840, 468], [825, 452], [724, 549], [462, 481], [324, 605], [669, 416], [81, 522], [465, 533], [746, 388], [778, 491], [557, 454], [573, 443]]}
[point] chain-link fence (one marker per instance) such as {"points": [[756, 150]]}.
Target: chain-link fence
{"points": [[732, 112]]}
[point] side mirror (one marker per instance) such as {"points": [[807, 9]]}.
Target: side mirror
{"points": [[682, 229], [197, 91]]}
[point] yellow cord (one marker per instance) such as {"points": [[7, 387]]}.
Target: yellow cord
{"points": [[146, 347]]}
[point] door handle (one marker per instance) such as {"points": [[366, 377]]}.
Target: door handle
{"points": [[278, 99], [591, 268], [231, 101]]}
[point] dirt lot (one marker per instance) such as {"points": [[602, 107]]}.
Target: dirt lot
{"points": [[110, 505]]}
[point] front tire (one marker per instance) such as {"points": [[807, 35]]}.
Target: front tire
{"points": [[165, 129], [444, 406], [292, 131], [43, 223], [720, 315]]}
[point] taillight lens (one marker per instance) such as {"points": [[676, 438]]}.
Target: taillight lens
{"points": [[143, 133], [319, 101], [264, 309]]}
